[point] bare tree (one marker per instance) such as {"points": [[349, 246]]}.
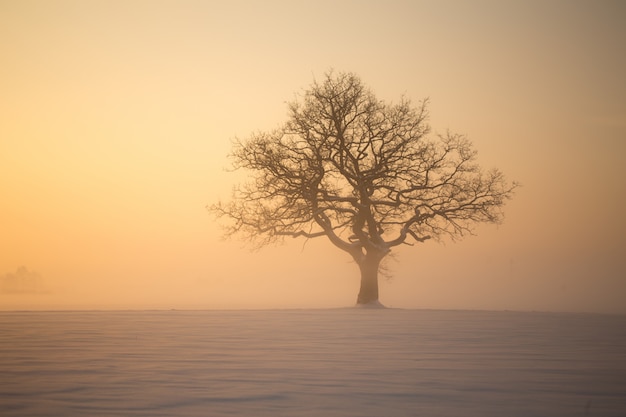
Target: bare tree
{"points": [[362, 173]]}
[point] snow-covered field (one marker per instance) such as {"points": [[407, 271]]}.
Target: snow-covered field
{"points": [[337, 362]]}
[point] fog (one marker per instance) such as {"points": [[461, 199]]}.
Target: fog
{"points": [[116, 121]]}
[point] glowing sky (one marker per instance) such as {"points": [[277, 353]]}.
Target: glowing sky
{"points": [[116, 119]]}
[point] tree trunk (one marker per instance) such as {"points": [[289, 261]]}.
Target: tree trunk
{"points": [[369, 280]]}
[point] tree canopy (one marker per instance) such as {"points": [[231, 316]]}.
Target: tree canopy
{"points": [[364, 173]]}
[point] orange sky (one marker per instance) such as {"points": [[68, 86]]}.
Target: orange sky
{"points": [[116, 118]]}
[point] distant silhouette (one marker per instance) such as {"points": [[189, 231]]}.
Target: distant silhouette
{"points": [[362, 173], [22, 281]]}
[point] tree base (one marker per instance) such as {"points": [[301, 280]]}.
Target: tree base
{"points": [[371, 304]]}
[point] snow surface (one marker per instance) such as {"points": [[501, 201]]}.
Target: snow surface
{"points": [[339, 362]]}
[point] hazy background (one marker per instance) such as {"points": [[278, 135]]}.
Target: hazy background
{"points": [[116, 118]]}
